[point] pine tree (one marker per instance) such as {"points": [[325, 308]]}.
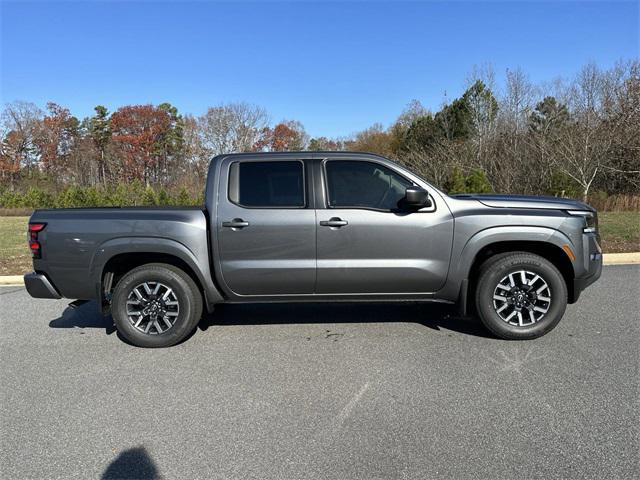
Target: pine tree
{"points": [[477, 182], [149, 196], [100, 133], [456, 182]]}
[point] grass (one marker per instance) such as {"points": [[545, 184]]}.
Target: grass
{"points": [[620, 232], [15, 257]]}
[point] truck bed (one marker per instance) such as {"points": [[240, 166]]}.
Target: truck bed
{"points": [[76, 240]]}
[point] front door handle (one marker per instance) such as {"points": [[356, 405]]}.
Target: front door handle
{"points": [[235, 223], [334, 222]]}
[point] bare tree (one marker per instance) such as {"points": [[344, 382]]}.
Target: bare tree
{"points": [[435, 163], [411, 113], [623, 168], [233, 127], [483, 109], [196, 155], [517, 101], [507, 157], [600, 113], [22, 121]]}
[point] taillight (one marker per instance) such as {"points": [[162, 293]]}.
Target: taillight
{"points": [[34, 245]]}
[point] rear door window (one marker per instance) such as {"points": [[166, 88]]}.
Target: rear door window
{"points": [[267, 184]]}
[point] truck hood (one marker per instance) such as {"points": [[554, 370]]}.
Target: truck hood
{"points": [[525, 201]]}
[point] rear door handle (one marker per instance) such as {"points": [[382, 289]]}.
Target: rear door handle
{"points": [[235, 223], [334, 222]]}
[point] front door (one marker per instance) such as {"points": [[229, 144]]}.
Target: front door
{"points": [[266, 228], [367, 244]]}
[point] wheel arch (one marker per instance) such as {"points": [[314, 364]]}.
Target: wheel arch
{"points": [[547, 250], [116, 257], [546, 242]]}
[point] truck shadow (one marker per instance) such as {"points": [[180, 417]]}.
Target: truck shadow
{"points": [[84, 316], [133, 464], [430, 315]]}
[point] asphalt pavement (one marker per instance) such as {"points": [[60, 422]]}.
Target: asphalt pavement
{"points": [[327, 391]]}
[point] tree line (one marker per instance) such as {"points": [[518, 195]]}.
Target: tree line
{"points": [[575, 137]]}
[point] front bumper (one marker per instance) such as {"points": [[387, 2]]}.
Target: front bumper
{"points": [[39, 286], [592, 264]]}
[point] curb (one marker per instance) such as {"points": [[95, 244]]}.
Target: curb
{"points": [[11, 280], [609, 259], [621, 258]]}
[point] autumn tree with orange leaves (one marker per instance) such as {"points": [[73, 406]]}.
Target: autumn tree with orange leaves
{"points": [[150, 142], [137, 132], [10, 155], [285, 136], [55, 140]]}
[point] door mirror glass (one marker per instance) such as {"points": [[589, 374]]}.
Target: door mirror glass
{"points": [[416, 197]]}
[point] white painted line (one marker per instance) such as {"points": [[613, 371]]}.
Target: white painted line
{"points": [[348, 408]]}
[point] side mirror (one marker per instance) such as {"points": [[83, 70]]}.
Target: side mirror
{"points": [[416, 197]]}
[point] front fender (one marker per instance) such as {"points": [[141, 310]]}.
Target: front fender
{"points": [[127, 245], [466, 254]]}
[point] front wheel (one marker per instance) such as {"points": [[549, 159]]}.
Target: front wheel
{"points": [[520, 295], [156, 305]]}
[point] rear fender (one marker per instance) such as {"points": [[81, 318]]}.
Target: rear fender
{"points": [[128, 245]]}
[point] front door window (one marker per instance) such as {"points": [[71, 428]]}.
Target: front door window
{"points": [[353, 184]]}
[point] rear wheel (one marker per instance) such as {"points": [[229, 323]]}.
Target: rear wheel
{"points": [[520, 295], [156, 305]]}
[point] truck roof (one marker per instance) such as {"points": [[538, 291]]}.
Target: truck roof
{"points": [[310, 154]]}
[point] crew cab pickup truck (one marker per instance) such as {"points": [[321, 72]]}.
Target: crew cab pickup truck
{"points": [[318, 226]]}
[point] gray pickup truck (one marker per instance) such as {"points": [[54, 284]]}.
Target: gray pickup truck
{"points": [[318, 226]]}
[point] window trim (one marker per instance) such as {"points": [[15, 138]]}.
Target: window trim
{"points": [[230, 187], [325, 181]]}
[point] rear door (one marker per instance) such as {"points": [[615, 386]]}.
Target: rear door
{"points": [[367, 244], [266, 227]]}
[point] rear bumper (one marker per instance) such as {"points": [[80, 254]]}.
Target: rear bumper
{"points": [[39, 286]]}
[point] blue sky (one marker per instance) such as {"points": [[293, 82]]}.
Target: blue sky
{"points": [[336, 67]]}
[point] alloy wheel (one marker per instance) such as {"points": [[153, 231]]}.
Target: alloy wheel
{"points": [[152, 307], [522, 298]]}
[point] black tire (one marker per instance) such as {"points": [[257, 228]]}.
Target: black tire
{"points": [[496, 270], [184, 291]]}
